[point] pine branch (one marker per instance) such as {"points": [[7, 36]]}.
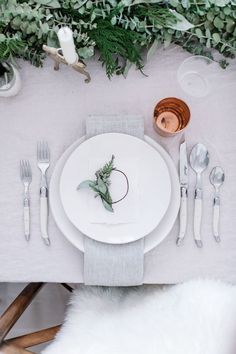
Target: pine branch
{"points": [[115, 43]]}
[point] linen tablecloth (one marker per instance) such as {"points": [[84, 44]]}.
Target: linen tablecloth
{"points": [[53, 106]]}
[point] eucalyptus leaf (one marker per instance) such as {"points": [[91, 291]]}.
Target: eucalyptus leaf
{"points": [[216, 37], [182, 23], [128, 65], [218, 23], [86, 184], [86, 52], [51, 3], [220, 3], [101, 185], [2, 37], [152, 50], [107, 206]]}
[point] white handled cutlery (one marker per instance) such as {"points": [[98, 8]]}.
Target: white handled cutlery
{"points": [[43, 157], [199, 160], [217, 178], [26, 177], [183, 173]]}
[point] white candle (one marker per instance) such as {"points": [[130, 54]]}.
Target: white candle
{"points": [[65, 36]]}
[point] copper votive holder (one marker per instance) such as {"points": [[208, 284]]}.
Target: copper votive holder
{"points": [[171, 116]]}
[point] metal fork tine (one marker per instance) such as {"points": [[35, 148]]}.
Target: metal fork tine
{"points": [[24, 168], [48, 152], [28, 169], [21, 169], [38, 151], [44, 151], [25, 171]]}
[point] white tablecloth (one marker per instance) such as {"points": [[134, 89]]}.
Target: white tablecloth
{"points": [[53, 106]]}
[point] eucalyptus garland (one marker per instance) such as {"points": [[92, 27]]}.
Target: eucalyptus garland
{"points": [[118, 29]]}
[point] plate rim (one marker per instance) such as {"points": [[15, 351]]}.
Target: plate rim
{"points": [[150, 241]]}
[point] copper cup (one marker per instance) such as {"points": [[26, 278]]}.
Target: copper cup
{"points": [[171, 116]]}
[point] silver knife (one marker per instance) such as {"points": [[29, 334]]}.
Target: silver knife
{"points": [[183, 173]]}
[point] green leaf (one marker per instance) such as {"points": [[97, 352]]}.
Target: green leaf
{"points": [[152, 50], [182, 23], [220, 3], [101, 185], [44, 27], [89, 4], [86, 184], [2, 37], [210, 16], [218, 23], [51, 3], [86, 52], [128, 65], [107, 205], [167, 41], [113, 20], [216, 37], [199, 32]]}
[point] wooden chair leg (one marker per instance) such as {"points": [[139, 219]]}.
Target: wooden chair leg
{"points": [[18, 306], [31, 339], [68, 287], [11, 349]]}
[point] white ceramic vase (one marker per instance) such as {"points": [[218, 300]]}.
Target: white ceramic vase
{"points": [[12, 87]]}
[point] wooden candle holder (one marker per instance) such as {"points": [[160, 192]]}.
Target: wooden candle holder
{"points": [[57, 56]]}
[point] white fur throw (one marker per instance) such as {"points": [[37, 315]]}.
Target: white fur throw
{"points": [[197, 317]]}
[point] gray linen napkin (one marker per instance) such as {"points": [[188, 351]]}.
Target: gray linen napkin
{"points": [[106, 264]]}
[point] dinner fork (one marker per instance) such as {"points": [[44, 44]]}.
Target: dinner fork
{"points": [[43, 157], [26, 178]]}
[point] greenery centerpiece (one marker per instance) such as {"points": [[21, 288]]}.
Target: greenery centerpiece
{"points": [[118, 29]]}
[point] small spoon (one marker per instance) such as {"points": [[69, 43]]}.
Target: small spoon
{"points": [[217, 178], [199, 160]]}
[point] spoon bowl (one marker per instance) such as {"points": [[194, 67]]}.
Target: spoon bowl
{"points": [[199, 158], [217, 177]]}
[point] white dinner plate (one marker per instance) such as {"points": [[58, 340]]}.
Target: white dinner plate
{"points": [[74, 236], [149, 196]]}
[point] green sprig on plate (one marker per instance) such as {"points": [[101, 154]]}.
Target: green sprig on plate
{"points": [[101, 185]]}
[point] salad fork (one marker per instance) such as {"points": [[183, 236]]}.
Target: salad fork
{"points": [[26, 178], [43, 157]]}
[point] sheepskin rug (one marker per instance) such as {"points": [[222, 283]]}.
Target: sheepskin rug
{"points": [[197, 317]]}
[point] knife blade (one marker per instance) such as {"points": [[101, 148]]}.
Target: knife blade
{"points": [[183, 175]]}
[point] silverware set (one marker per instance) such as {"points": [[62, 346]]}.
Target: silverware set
{"points": [[199, 160], [43, 163]]}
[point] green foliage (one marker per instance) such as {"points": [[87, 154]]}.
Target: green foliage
{"points": [[10, 46], [101, 185], [119, 29], [115, 43]]}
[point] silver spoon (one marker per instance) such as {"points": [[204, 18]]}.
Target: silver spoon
{"points": [[199, 160], [217, 178]]}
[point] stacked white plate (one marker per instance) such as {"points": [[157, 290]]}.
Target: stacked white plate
{"points": [[158, 190]]}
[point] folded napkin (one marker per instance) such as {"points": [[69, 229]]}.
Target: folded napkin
{"points": [[106, 264]]}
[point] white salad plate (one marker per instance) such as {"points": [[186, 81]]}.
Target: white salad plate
{"points": [[76, 237], [149, 188]]}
